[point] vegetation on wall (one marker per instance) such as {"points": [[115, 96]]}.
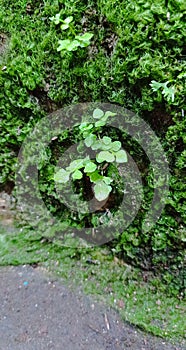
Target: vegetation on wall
{"points": [[134, 56]]}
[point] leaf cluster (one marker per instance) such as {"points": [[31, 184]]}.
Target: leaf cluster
{"points": [[110, 152]]}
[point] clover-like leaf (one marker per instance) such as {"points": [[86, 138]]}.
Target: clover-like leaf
{"points": [[107, 180], [62, 176], [77, 175], [76, 164], [109, 114], [84, 43], [104, 147], [101, 190], [105, 156], [116, 145], [84, 37], [68, 20], [90, 139], [104, 118], [95, 176], [64, 26], [98, 113], [106, 140], [73, 45], [100, 123], [63, 44], [121, 156], [80, 147], [85, 126], [56, 19], [67, 45], [96, 145], [90, 167]]}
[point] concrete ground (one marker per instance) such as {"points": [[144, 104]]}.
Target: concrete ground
{"points": [[38, 312]]}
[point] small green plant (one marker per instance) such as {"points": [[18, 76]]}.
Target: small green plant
{"points": [[75, 41], [168, 92], [107, 151]]}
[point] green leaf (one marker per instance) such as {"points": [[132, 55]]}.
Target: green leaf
{"points": [[102, 190], [105, 156], [77, 175], [67, 45], [116, 145], [96, 145], [62, 176], [80, 147], [83, 43], [63, 44], [104, 118], [85, 126], [73, 45], [76, 164], [64, 26], [109, 114], [98, 113], [104, 147], [169, 92], [90, 167], [155, 85], [56, 19], [121, 156], [107, 180], [68, 20], [90, 140], [182, 75], [95, 176], [106, 140], [85, 37], [100, 123]]}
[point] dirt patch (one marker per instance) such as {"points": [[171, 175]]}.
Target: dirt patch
{"points": [[38, 311]]}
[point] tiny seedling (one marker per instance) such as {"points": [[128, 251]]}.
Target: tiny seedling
{"points": [[73, 41]]}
